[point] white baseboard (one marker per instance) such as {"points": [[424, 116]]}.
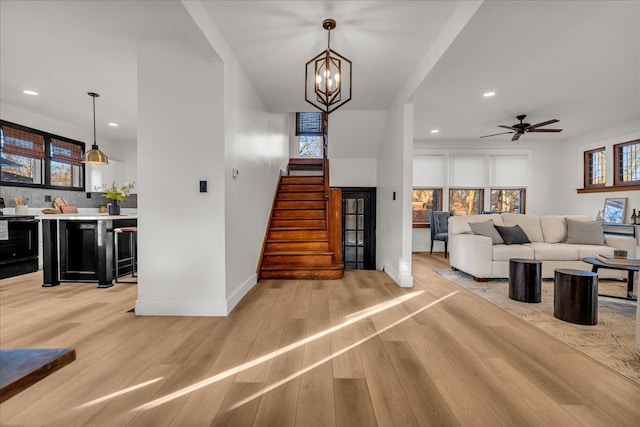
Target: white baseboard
{"points": [[235, 298], [181, 308]]}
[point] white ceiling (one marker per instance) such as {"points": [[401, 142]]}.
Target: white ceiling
{"points": [[578, 62]]}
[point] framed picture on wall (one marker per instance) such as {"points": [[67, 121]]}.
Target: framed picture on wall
{"points": [[615, 210]]}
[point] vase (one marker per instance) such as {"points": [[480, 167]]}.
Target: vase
{"points": [[114, 207]]}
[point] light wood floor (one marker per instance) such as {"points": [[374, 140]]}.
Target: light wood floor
{"points": [[353, 352]]}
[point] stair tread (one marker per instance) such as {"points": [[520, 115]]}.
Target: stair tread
{"points": [[296, 228], [300, 209], [302, 267], [299, 253], [296, 241]]}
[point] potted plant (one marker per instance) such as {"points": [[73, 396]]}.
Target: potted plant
{"points": [[117, 195]]}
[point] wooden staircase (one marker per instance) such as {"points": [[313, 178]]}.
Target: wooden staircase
{"points": [[300, 242]]}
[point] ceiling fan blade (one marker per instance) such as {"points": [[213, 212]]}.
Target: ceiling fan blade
{"points": [[516, 137], [508, 127], [545, 130], [548, 122], [501, 133]]}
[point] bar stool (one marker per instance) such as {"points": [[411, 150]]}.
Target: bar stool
{"points": [[129, 261]]}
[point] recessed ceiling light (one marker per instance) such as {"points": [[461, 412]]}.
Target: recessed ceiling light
{"points": [[30, 92], [434, 131], [113, 124], [488, 94]]}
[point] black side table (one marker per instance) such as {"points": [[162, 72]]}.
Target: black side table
{"points": [[524, 280], [575, 297]]}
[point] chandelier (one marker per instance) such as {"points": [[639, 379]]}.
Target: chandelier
{"points": [[328, 77], [94, 156]]}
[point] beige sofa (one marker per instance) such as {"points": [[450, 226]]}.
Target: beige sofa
{"points": [[478, 256]]}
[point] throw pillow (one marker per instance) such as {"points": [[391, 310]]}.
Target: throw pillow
{"points": [[584, 232], [488, 229], [513, 235]]}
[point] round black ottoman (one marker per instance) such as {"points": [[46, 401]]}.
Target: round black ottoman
{"points": [[575, 297], [524, 280]]}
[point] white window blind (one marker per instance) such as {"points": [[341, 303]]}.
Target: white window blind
{"points": [[511, 171], [469, 171], [429, 171]]}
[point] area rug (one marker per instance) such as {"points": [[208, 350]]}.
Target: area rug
{"points": [[611, 341]]}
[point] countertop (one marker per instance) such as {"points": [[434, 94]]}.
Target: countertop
{"points": [[86, 217]]}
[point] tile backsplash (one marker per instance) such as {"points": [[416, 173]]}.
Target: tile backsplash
{"points": [[36, 197]]}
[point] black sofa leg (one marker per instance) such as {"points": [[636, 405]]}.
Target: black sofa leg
{"points": [[446, 252]]}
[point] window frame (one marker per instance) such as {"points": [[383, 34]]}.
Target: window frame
{"points": [[425, 224], [588, 157], [480, 197], [523, 197], [47, 159], [617, 170]]}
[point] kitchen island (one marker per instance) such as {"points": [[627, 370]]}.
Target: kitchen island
{"points": [[79, 247]]}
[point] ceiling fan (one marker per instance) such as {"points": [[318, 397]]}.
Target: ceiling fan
{"points": [[519, 129]]}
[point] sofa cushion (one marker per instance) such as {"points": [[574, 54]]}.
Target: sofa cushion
{"points": [[555, 251], [487, 228], [554, 228], [513, 235], [505, 252], [584, 233], [459, 224], [529, 223], [592, 250]]}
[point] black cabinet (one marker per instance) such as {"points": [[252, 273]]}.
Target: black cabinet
{"points": [[86, 250], [79, 250], [18, 245]]}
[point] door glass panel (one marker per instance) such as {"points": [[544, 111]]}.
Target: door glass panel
{"points": [[350, 207], [360, 222], [350, 238], [350, 222], [360, 206], [360, 255], [349, 254], [360, 241]]}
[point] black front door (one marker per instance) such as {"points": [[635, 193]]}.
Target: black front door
{"points": [[359, 228]]}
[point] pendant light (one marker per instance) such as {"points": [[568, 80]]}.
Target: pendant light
{"points": [[94, 156], [328, 76]]}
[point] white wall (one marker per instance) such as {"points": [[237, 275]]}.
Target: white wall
{"points": [[256, 143], [353, 172], [394, 172], [181, 236]]}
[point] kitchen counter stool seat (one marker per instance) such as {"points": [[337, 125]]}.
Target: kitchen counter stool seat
{"points": [[129, 261]]}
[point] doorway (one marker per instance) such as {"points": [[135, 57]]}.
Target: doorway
{"points": [[359, 228]]}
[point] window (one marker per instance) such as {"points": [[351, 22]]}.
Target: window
{"points": [[425, 200], [311, 127], [33, 158], [594, 168], [310, 146], [626, 170], [508, 200], [466, 201], [22, 156]]}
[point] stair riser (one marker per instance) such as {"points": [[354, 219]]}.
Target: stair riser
{"points": [[298, 235], [298, 204], [300, 213], [301, 196], [302, 180], [302, 275], [296, 246], [300, 187], [301, 260], [313, 223]]}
